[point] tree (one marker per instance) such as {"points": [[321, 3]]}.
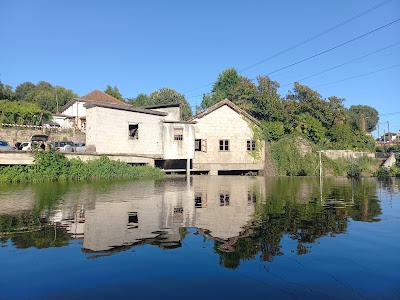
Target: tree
{"points": [[169, 96], [140, 100], [311, 128], [230, 85], [272, 131], [22, 91], [6, 92], [113, 91], [368, 113]]}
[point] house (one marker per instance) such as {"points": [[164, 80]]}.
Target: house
{"points": [[124, 129], [225, 142], [73, 114]]}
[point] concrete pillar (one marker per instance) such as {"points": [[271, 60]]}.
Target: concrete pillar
{"points": [[188, 167], [213, 172]]}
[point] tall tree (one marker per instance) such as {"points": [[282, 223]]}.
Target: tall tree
{"points": [[113, 91], [368, 113], [22, 91], [6, 92], [167, 96]]}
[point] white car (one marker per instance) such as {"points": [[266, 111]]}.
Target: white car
{"points": [[26, 146]]}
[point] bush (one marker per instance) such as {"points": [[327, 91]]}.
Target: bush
{"points": [[54, 166]]}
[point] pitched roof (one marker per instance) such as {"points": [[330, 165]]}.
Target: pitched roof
{"points": [[231, 105], [99, 96], [162, 105], [96, 96], [126, 107]]}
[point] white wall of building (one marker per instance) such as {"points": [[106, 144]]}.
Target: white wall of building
{"points": [[174, 149], [225, 124], [77, 109], [108, 130]]}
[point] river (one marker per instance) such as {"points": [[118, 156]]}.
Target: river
{"points": [[225, 237]]}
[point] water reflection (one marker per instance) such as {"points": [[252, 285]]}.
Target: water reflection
{"points": [[246, 217]]}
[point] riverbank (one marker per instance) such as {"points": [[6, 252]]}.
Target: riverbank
{"points": [[54, 166]]}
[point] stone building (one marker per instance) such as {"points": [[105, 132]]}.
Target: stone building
{"points": [[225, 142]]}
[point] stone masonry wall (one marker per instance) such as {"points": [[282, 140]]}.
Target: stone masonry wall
{"points": [[20, 134]]}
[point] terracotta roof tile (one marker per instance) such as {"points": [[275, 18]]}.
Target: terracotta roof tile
{"points": [[99, 96]]}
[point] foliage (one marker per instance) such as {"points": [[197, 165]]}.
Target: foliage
{"points": [[164, 96], [272, 131], [54, 166], [113, 91], [311, 128], [357, 113], [22, 113], [6, 92], [289, 161], [46, 96]]}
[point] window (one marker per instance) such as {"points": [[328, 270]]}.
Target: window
{"points": [[223, 145], [133, 131], [133, 220], [177, 216], [178, 134], [251, 145], [223, 199], [197, 145], [198, 200], [251, 198]]}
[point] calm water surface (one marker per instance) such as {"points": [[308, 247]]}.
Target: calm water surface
{"points": [[210, 238]]}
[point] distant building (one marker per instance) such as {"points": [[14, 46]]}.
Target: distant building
{"points": [[73, 114], [225, 142]]}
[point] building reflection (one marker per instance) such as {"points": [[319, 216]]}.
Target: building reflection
{"points": [[246, 217]]}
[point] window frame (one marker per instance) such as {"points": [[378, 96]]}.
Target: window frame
{"points": [[251, 145], [136, 135], [178, 136], [224, 145]]}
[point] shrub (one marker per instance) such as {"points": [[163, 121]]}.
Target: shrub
{"points": [[54, 166]]}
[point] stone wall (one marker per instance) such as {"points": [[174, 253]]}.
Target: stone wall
{"points": [[348, 154], [21, 134]]}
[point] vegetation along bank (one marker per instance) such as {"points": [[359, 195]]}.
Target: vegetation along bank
{"points": [[54, 166]]}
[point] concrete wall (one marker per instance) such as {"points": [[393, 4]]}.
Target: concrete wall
{"points": [[14, 134], [174, 113], [178, 149], [107, 130], [76, 109], [225, 123], [348, 154]]}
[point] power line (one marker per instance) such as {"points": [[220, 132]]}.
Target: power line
{"points": [[306, 40], [327, 50], [360, 75], [345, 63]]}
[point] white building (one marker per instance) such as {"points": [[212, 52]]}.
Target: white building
{"points": [[73, 114], [225, 142]]}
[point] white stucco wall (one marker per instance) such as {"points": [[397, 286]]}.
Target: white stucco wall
{"points": [[225, 124], [178, 149], [174, 113], [107, 130], [76, 109]]}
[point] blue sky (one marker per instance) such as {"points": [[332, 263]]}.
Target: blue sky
{"points": [[141, 46]]}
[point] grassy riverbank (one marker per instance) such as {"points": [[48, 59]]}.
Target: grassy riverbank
{"points": [[53, 166]]}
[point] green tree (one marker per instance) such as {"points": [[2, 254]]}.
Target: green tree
{"points": [[230, 85], [140, 100], [272, 131], [312, 128], [22, 91], [356, 112], [113, 91], [6, 92], [169, 96]]}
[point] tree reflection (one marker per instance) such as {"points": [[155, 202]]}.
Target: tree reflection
{"points": [[292, 208]]}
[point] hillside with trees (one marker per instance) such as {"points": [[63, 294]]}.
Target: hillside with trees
{"points": [[325, 122]]}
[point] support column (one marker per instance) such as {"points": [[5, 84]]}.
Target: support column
{"points": [[188, 167]]}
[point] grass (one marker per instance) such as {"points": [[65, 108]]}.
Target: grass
{"points": [[53, 166]]}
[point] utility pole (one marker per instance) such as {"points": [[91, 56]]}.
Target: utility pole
{"points": [[379, 136], [320, 164], [389, 135]]}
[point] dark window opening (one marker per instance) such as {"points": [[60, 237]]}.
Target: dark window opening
{"points": [[178, 134], [238, 172], [251, 145], [251, 198], [133, 131], [224, 199], [133, 220], [197, 145], [223, 145], [198, 200]]}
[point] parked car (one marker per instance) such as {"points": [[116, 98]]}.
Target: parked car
{"points": [[39, 138], [5, 146], [25, 146], [64, 146], [80, 147]]}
